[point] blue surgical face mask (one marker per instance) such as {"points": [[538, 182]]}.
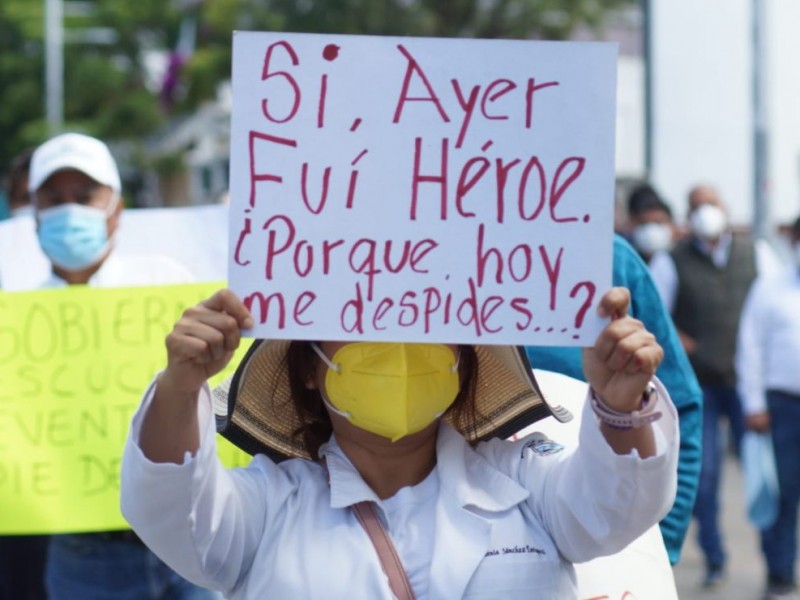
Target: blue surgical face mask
{"points": [[73, 236]]}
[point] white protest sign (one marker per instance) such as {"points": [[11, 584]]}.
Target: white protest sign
{"points": [[410, 189], [197, 237]]}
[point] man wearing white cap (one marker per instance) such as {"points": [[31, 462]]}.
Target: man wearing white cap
{"points": [[76, 192], [75, 187]]}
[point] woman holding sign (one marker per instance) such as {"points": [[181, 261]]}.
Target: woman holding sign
{"points": [[380, 469]]}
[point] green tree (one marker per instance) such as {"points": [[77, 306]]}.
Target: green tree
{"points": [[525, 19], [106, 91], [21, 73], [539, 19], [104, 84]]}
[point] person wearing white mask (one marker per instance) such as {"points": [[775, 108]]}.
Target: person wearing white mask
{"points": [[650, 220], [703, 282], [76, 190], [767, 359]]}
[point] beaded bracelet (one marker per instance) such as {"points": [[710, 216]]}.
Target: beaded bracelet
{"points": [[628, 420]]}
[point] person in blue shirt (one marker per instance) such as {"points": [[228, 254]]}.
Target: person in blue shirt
{"points": [[630, 271]]}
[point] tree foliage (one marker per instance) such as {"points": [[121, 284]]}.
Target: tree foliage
{"points": [[104, 84], [106, 91]]}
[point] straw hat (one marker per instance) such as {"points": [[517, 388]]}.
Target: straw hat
{"points": [[254, 410]]}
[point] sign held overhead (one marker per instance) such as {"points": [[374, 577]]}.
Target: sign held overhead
{"points": [[408, 189]]}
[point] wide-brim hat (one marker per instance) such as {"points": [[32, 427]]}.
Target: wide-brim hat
{"points": [[254, 409]]}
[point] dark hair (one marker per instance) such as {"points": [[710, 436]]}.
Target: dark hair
{"points": [[17, 175], [315, 424], [644, 198], [796, 229]]}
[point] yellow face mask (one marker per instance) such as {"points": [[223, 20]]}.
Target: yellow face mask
{"points": [[390, 389]]}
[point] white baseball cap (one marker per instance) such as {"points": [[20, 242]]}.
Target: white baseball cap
{"points": [[74, 151]]}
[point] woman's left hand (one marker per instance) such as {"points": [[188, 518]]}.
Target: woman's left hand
{"points": [[625, 356]]}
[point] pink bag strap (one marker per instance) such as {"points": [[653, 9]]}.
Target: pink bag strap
{"points": [[390, 561]]}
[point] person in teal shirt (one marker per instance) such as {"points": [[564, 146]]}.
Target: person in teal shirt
{"points": [[675, 373]]}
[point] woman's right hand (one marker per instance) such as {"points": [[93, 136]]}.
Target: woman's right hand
{"points": [[203, 341], [200, 345]]}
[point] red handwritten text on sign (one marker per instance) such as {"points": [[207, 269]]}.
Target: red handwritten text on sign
{"points": [[388, 188]]}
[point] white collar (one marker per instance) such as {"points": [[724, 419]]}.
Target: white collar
{"points": [[463, 473], [347, 485]]}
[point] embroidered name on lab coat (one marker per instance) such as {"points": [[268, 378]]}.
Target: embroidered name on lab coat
{"points": [[541, 445], [526, 549]]}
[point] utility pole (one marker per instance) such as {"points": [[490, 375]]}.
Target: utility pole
{"points": [[760, 130], [647, 50], [54, 65]]}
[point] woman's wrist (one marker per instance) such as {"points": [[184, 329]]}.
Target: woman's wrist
{"points": [[645, 414], [170, 385]]}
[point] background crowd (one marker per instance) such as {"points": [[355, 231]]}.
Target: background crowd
{"points": [[725, 305]]}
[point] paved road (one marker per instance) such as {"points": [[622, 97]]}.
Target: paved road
{"points": [[746, 572]]}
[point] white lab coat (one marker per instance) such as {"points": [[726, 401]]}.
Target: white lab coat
{"points": [[641, 569], [510, 516]]}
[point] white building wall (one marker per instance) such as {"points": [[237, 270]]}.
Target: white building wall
{"points": [[702, 77], [702, 101], [783, 101], [630, 149]]}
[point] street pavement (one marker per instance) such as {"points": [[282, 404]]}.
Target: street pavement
{"points": [[746, 571]]}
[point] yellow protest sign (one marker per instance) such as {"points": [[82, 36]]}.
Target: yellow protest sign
{"points": [[74, 364]]}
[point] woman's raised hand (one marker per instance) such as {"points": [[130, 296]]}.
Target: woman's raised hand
{"points": [[203, 341], [625, 356]]}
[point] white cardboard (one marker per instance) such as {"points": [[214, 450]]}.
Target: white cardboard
{"points": [[363, 110], [197, 237]]}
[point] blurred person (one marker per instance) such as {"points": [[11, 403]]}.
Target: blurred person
{"points": [[651, 228], [703, 282], [675, 373], [76, 192], [22, 557], [768, 370], [19, 201]]}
